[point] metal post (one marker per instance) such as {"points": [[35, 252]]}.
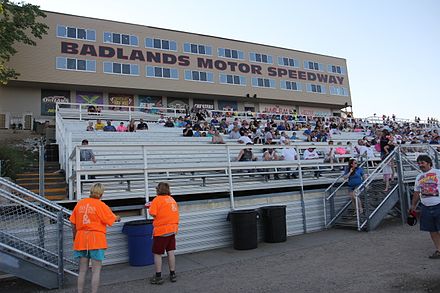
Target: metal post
{"points": [[41, 168], [402, 198], [437, 163], [60, 237], [147, 191], [231, 186], [303, 206]]}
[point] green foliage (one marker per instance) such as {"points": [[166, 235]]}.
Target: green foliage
{"points": [[18, 24], [15, 160]]}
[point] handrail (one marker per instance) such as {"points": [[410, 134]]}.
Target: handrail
{"points": [[32, 195]]}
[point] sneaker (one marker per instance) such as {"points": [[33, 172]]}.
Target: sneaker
{"points": [[435, 255], [156, 280], [173, 278]]}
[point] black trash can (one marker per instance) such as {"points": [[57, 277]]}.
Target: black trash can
{"points": [[244, 229], [140, 242], [274, 223]]}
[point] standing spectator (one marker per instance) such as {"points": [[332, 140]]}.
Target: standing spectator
{"points": [[89, 220], [165, 212], [355, 176], [427, 189], [86, 154], [109, 127], [387, 173], [121, 127], [142, 125]]}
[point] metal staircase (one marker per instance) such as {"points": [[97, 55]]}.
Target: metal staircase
{"points": [[34, 235], [376, 202]]}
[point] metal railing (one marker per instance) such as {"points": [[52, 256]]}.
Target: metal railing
{"points": [[36, 229]]}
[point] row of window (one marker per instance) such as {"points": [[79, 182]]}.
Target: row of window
{"points": [[65, 63], [191, 48]]}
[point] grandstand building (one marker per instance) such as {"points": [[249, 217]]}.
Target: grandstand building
{"points": [[95, 61]]}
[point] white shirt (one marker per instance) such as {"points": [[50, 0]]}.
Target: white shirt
{"points": [[309, 155], [289, 154], [428, 184], [245, 139]]}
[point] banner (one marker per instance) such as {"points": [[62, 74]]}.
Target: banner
{"points": [[203, 104], [119, 100], [49, 98], [276, 109], [314, 112], [227, 106], [89, 98], [178, 103]]}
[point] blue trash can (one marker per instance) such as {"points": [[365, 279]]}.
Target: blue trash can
{"points": [[140, 241]]}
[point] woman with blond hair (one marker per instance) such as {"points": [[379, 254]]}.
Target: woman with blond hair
{"points": [[90, 218]]}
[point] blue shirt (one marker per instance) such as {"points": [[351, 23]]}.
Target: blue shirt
{"points": [[357, 178]]}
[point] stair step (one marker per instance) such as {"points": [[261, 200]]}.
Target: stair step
{"points": [[56, 197], [36, 174], [50, 190]]}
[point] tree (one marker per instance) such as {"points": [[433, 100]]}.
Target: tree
{"points": [[18, 24]]}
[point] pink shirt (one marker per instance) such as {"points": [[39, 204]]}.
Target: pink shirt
{"points": [[121, 128]]}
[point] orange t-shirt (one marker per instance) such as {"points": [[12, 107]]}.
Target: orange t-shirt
{"points": [[166, 215], [90, 217]]}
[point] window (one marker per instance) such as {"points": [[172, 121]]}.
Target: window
{"points": [[162, 72], [121, 68], [199, 76], [230, 53], [122, 39], [161, 44], [263, 82], [232, 79], [290, 85], [286, 61], [313, 65], [260, 58], [197, 49], [338, 91], [315, 88], [335, 69], [76, 33], [65, 63]]}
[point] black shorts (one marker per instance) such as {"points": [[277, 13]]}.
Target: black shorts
{"points": [[164, 243]]}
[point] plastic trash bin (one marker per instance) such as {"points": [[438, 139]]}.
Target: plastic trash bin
{"points": [[274, 223], [244, 229], [140, 241]]}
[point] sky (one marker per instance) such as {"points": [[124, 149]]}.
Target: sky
{"points": [[392, 47]]}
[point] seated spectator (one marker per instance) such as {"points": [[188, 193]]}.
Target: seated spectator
{"points": [[311, 154], [244, 139], [161, 120], [288, 153], [90, 126], [294, 137], [214, 121], [234, 133], [283, 138], [271, 155], [188, 131], [109, 126], [131, 126], [86, 154], [91, 109], [329, 153], [121, 127], [246, 155], [169, 123], [142, 125], [217, 138], [99, 125]]}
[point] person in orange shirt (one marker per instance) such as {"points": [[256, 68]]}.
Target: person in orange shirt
{"points": [[90, 217], [165, 212]]}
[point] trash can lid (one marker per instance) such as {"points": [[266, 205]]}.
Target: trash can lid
{"points": [[273, 207], [247, 211], [139, 223]]}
